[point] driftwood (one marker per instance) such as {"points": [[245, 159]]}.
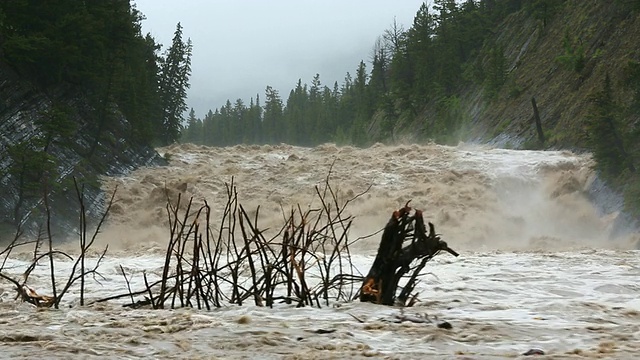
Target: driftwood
{"points": [[79, 270], [306, 263], [404, 240]]}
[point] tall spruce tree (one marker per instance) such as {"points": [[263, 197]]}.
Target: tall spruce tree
{"points": [[272, 120], [193, 132], [174, 82], [604, 135]]}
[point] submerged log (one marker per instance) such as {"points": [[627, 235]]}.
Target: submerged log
{"points": [[404, 240]]}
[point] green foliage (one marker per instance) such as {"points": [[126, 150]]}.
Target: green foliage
{"points": [[175, 72], [628, 179], [495, 71], [95, 48], [543, 10], [388, 120], [614, 148], [193, 132], [513, 89], [632, 194], [56, 125], [632, 82], [604, 135], [341, 137], [574, 55], [449, 120], [32, 172], [273, 117]]}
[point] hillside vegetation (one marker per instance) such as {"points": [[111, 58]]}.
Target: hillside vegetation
{"points": [[83, 93], [581, 63]]}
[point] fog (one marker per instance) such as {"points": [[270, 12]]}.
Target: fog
{"points": [[240, 47]]}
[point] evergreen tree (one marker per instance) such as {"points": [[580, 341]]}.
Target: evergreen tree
{"points": [[193, 131], [273, 119], [295, 129], [239, 123], [362, 105], [208, 129], [543, 9], [174, 82], [254, 122], [604, 135], [495, 71], [420, 46], [380, 69], [32, 172], [314, 116]]}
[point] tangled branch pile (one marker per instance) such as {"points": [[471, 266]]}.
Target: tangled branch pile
{"points": [[307, 262]]}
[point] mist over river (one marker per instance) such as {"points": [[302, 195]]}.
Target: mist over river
{"points": [[540, 265]]}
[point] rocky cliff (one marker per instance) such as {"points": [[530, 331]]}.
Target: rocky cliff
{"points": [[601, 35], [23, 108]]}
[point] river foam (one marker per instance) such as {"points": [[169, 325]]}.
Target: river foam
{"points": [[539, 267]]}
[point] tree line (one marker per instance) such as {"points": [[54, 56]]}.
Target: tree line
{"points": [[408, 68], [97, 48]]}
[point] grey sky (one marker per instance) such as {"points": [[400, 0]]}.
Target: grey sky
{"points": [[241, 46]]}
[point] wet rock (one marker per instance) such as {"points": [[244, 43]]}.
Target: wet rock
{"points": [[445, 325], [533, 352]]}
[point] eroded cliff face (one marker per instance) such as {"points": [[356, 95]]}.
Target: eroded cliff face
{"points": [[603, 33], [83, 156]]}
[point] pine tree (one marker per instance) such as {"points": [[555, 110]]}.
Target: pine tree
{"points": [[363, 108], [294, 130], [175, 73], [273, 120], [604, 136], [254, 122], [193, 131]]}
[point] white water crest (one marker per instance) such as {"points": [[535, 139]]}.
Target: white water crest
{"points": [[539, 265]]}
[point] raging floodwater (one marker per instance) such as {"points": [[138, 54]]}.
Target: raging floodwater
{"points": [[538, 266]]}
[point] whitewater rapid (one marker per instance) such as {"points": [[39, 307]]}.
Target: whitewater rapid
{"points": [[540, 266]]}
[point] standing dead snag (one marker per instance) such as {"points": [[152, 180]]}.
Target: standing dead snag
{"points": [[394, 258]]}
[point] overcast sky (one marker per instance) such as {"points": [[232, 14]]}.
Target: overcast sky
{"points": [[241, 46]]}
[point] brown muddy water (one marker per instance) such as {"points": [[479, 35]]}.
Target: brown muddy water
{"points": [[539, 267]]}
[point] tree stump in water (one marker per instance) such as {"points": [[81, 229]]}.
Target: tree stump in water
{"points": [[404, 240]]}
